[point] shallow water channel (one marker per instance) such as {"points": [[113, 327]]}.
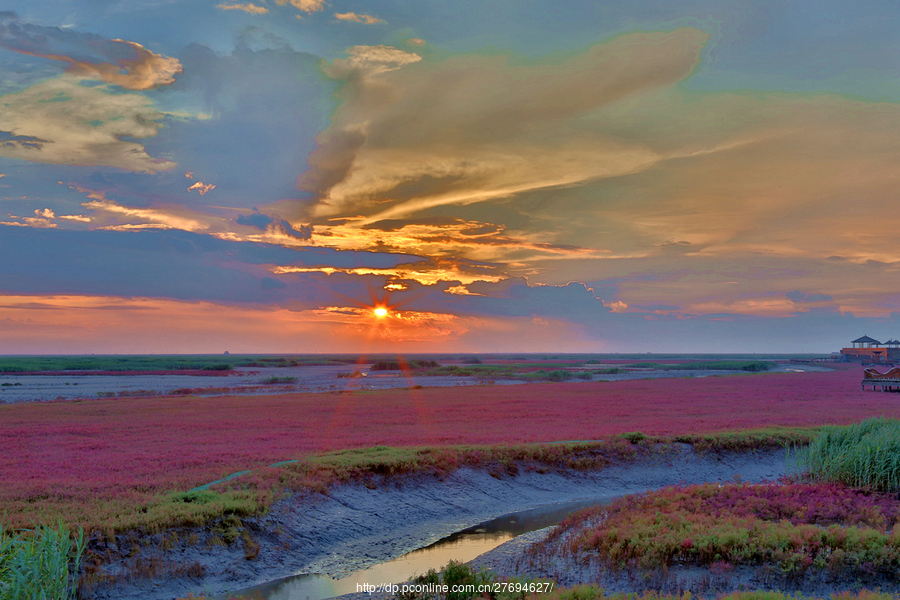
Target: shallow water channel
{"points": [[461, 546]]}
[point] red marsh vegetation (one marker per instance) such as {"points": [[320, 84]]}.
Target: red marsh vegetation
{"points": [[826, 526], [97, 457]]}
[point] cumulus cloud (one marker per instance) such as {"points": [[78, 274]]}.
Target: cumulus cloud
{"points": [[116, 61], [473, 128], [367, 61], [202, 188], [674, 190], [44, 218], [248, 7], [307, 6], [61, 122], [351, 16]]}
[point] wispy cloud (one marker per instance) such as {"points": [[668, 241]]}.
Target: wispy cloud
{"points": [[446, 236], [247, 7], [141, 218], [485, 128], [428, 273], [351, 16]]}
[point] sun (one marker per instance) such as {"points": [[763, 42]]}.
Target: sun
{"points": [[380, 312]]}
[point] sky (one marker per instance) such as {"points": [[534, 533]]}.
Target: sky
{"points": [[201, 176]]}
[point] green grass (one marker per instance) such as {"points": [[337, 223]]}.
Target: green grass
{"points": [[455, 574], [274, 379], [865, 454], [39, 564], [748, 439]]}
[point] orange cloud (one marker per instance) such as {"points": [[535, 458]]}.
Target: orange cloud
{"points": [[44, 218], [202, 188], [461, 290], [307, 6], [760, 306], [434, 272], [146, 70], [138, 218], [247, 7], [465, 238], [370, 61], [351, 16]]}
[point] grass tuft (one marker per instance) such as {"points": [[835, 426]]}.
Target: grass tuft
{"points": [[865, 454], [39, 564]]}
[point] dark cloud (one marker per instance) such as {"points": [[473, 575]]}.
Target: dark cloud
{"points": [[265, 222], [798, 296], [10, 140], [254, 219], [267, 106], [272, 284], [42, 41], [166, 264]]}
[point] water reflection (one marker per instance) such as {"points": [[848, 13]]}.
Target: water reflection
{"points": [[462, 546], [315, 587]]}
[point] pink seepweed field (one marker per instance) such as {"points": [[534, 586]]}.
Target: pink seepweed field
{"points": [[101, 462], [799, 527]]}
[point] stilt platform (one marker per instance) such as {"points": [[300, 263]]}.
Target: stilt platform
{"points": [[889, 382]]}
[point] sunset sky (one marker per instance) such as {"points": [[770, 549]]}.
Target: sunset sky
{"points": [[194, 176]]}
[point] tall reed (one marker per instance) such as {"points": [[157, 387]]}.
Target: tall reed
{"points": [[865, 454], [35, 564]]}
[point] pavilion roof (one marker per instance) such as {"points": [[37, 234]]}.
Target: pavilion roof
{"points": [[865, 340]]}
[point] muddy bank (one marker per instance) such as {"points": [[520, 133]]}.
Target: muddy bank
{"points": [[355, 526]]}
